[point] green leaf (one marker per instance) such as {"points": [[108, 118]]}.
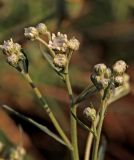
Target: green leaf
{"points": [[40, 126]]}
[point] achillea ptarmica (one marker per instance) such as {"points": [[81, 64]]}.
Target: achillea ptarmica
{"points": [[59, 42], [31, 33], [12, 51]]}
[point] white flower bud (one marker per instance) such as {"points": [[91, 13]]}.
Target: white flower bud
{"points": [[60, 60], [119, 67], [31, 33], [118, 80], [73, 44], [42, 28], [13, 59], [90, 113], [100, 69]]}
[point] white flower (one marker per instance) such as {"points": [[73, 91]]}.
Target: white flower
{"points": [[31, 33], [12, 51], [9, 47], [100, 68], [73, 44], [118, 80], [119, 67], [60, 60], [59, 42]]}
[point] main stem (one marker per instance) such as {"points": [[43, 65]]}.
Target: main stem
{"points": [[73, 121], [97, 140], [47, 109]]}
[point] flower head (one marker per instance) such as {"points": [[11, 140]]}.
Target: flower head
{"points": [[31, 33], [12, 51], [100, 68], [60, 60], [73, 44], [119, 67], [59, 42], [10, 47], [90, 113], [42, 28]]}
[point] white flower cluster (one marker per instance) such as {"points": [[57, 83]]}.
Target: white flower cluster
{"points": [[61, 43], [33, 33], [102, 75], [12, 51], [58, 43]]}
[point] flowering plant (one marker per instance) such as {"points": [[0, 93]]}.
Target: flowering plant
{"points": [[110, 83]]}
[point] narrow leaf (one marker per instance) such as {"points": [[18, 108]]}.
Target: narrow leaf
{"points": [[89, 90], [40, 126]]}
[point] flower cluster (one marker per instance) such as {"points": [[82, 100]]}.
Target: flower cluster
{"points": [[103, 76], [58, 43], [12, 52], [33, 33], [61, 46]]}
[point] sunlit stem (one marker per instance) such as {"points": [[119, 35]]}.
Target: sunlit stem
{"points": [[74, 137], [47, 109]]}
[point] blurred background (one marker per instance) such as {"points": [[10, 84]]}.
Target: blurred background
{"points": [[105, 29]]}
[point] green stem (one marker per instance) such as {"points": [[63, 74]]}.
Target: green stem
{"points": [[52, 53], [97, 140], [47, 109], [118, 93], [73, 121]]}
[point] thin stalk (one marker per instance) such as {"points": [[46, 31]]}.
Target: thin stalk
{"points": [[52, 53], [47, 109], [118, 93], [97, 140], [74, 138], [90, 139]]}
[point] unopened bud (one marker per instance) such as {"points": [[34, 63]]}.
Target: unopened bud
{"points": [[31, 33], [119, 67], [73, 44], [100, 69], [42, 28], [118, 80], [60, 60], [90, 113]]}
